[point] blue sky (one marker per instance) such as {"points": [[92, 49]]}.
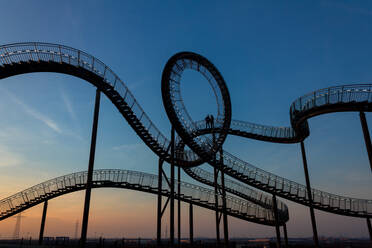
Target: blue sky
{"points": [[269, 53]]}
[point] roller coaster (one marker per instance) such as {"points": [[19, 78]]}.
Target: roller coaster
{"points": [[139, 181], [192, 143]]}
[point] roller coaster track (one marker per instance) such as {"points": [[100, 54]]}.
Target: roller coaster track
{"points": [[238, 189], [22, 58], [139, 181]]}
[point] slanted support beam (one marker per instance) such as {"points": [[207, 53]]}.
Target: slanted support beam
{"points": [[367, 138], [84, 227], [308, 189], [191, 224], [277, 225], [42, 226], [285, 235], [161, 209], [369, 228]]}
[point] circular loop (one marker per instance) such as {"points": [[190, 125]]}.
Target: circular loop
{"points": [[185, 126]]}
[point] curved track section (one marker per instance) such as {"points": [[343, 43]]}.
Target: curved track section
{"points": [[255, 131], [139, 181], [22, 58], [344, 98], [238, 189], [31, 57], [334, 99], [177, 112]]}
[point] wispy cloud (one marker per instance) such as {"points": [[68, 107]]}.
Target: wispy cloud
{"points": [[68, 105], [34, 113], [72, 113], [127, 147]]}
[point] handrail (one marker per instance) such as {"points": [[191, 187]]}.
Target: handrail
{"points": [[130, 179]]}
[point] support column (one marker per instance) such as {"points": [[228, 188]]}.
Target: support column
{"points": [[225, 222], [216, 194], [216, 205], [369, 228], [285, 235], [367, 138], [191, 224], [159, 215], [42, 226], [179, 206], [308, 188], [84, 227], [171, 224], [277, 225]]}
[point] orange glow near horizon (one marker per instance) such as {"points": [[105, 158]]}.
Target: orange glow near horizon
{"points": [[117, 213]]}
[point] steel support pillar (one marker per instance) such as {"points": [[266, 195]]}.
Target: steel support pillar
{"points": [[216, 193], [277, 225], [42, 226], [191, 224], [225, 221], [179, 206], [367, 138], [84, 227], [159, 214], [171, 224], [285, 235], [369, 228], [161, 209], [308, 188], [216, 205]]}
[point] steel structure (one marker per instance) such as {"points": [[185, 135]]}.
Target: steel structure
{"points": [[42, 57], [238, 189], [139, 181]]}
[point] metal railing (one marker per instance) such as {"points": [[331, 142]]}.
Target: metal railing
{"points": [[189, 191], [233, 186], [45, 52], [353, 94], [356, 93], [255, 129], [295, 191]]}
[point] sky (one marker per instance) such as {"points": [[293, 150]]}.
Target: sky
{"points": [[268, 52]]}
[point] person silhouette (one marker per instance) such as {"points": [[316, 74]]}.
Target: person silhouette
{"points": [[207, 121], [211, 121]]}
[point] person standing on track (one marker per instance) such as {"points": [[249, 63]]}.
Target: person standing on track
{"points": [[207, 122]]}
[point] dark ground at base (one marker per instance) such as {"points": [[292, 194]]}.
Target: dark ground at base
{"points": [[150, 243]]}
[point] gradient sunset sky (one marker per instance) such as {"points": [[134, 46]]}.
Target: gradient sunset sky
{"points": [[269, 53]]}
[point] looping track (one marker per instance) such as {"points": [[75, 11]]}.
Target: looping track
{"points": [[139, 181], [22, 58], [177, 112]]}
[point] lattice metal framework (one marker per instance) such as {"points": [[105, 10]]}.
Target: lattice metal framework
{"points": [[131, 180]]}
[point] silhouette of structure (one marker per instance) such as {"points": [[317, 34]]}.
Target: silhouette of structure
{"points": [[189, 146], [76, 229], [17, 228], [139, 181], [42, 225]]}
